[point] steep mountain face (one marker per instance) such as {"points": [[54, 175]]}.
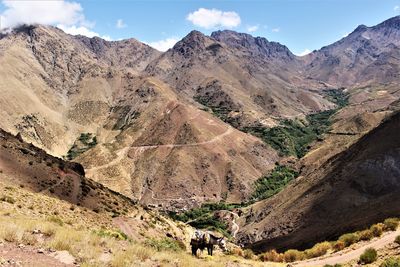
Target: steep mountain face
{"points": [[368, 55], [250, 79], [352, 190], [129, 53], [150, 142]]}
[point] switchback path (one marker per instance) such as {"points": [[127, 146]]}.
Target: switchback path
{"points": [[124, 151]]}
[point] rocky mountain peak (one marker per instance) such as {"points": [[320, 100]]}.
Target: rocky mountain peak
{"points": [[393, 23], [259, 46], [191, 44]]}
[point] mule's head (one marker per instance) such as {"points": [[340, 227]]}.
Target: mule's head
{"points": [[222, 244]]}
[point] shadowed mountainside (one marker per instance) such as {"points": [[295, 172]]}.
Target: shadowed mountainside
{"points": [[352, 190]]}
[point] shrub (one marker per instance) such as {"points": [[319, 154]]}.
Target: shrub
{"points": [[56, 220], [377, 229], [292, 255], [318, 250], [237, 251], [7, 199], [369, 256], [271, 255], [391, 224], [117, 234], [10, 233], [164, 244], [338, 245], [248, 254], [397, 240], [391, 262], [29, 239], [348, 239], [365, 235]]}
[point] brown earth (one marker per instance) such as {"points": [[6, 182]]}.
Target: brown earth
{"points": [[341, 196]]}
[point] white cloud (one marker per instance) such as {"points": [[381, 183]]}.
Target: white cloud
{"points": [[276, 30], [120, 24], [67, 15], [305, 52], [82, 30], [42, 12], [253, 28], [396, 8], [164, 45], [211, 18]]}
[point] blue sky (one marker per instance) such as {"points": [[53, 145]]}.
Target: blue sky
{"points": [[299, 24]]}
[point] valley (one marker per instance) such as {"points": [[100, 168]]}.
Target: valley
{"points": [[131, 149]]}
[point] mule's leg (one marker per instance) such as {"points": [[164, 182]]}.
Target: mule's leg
{"points": [[211, 250], [194, 250]]}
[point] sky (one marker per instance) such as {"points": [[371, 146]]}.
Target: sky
{"points": [[302, 25]]}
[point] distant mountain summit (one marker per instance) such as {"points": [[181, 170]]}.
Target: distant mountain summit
{"points": [[368, 55], [258, 46]]}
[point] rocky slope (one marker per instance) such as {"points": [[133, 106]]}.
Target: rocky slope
{"points": [[43, 186], [368, 55], [353, 189], [58, 89], [245, 79]]}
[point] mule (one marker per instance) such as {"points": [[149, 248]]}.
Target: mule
{"points": [[206, 240]]}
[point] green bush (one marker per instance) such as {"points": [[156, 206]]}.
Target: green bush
{"points": [[293, 255], [369, 256], [349, 239], [391, 262], [397, 240], [377, 229], [365, 235], [318, 250], [391, 224], [117, 234]]}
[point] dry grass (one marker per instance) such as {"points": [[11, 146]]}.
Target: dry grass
{"points": [[88, 247], [318, 250], [293, 255]]}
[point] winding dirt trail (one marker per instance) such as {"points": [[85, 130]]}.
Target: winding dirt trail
{"points": [[124, 151], [350, 254], [235, 226]]}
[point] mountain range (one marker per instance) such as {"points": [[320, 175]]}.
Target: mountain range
{"points": [[189, 126]]}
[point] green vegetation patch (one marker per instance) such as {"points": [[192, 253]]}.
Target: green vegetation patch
{"points": [[294, 137], [220, 112], [117, 234], [369, 256], [391, 262], [84, 142], [203, 217], [272, 183]]}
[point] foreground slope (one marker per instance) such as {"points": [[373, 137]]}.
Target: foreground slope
{"points": [[353, 189]]}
